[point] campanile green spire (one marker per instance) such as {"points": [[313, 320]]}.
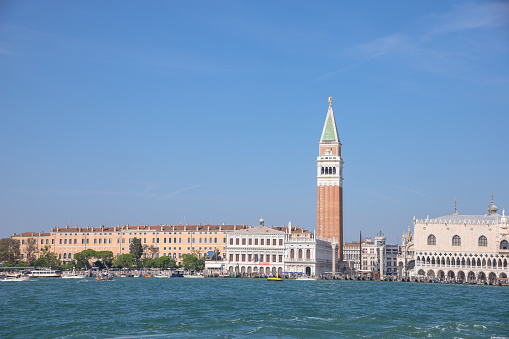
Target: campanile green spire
{"points": [[330, 131]]}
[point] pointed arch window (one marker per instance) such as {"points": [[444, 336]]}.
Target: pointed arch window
{"points": [[504, 245], [456, 240], [483, 241], [432, 240]]}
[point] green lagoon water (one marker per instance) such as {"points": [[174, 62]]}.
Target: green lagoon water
{"points": [[230, 308]]}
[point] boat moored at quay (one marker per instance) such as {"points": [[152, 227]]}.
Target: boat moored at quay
{"points": [[45, 273]]}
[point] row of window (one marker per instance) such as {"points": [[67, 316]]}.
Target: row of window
{"points": [[262, 242], [456, 241], [257, 257], [308, 254], [329, 170]]}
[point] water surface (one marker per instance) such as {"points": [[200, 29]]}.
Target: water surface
{"points": [[230, 308]]}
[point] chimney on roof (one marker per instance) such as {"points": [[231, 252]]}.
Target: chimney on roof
{"points": [[208, 227], [67, 227], [161, 228], [234, 227], [219, 227], [173, 228], [185, 228], [138, 228], [289, 227]]}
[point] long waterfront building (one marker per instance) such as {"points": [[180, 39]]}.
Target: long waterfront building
{"points": [[167, 240]]}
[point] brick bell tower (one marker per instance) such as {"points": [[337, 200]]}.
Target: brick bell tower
{"points": [[329, 206]]}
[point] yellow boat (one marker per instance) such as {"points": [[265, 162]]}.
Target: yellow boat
{"points": [[276, 278]]}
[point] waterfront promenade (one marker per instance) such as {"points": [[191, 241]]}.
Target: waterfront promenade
{"points": [[139, 308]]}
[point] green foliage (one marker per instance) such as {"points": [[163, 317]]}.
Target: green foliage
{"points": [[165, 262], [7, 265], [9, 250], [193, 261], [125, 261], [21, 264], [41, 262], [47, 259], [136, 249], [83, 258], [31, 249], [148, 263], [68, 266], [105, 256]]}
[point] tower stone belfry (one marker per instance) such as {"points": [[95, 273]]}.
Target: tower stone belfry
{"points": [[329, 216]]}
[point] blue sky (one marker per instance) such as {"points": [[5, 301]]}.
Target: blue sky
{"points": [[210, 112]]}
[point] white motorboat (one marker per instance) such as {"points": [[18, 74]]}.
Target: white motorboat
{"points": [[16, 278], [73, 276], [193, 276], [306, 278]]}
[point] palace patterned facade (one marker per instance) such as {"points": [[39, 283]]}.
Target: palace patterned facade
{"points": [[469, 248]]}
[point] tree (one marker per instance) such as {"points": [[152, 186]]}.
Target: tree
{"points": [[105, 256], [47, 258], [9, 250], [125, 261], [193, 261], [153, 250], [83, 258], [165, 262], [136, 249], [31, 249]]}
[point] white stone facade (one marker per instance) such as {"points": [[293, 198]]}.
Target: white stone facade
{"points": [[266, 250], [470, 248], [307, 255]]}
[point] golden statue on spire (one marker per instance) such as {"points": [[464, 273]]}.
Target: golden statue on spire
{"points": [[330, 100]]}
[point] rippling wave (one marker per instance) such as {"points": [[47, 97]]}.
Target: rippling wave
{"points": [[179, 307]]}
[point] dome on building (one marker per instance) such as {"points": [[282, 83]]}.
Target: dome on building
{"points": [[492, 208]]}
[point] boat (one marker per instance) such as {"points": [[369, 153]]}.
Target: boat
{"points": [[161, 276], [15, 278], [304, 277], [193, 276], [104, 277], [45, 273], [73, 275], [276, 278]]}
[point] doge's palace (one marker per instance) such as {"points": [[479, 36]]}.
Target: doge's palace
{"points": [[470, 248]]}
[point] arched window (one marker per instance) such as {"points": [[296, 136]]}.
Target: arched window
{"points": [[456, 240], [326, 170], [300, 254], [504, 245], [333, 170], [292, 253], [483, 241], [65, 255], [308, 254], [432, 240], [323, 170]]}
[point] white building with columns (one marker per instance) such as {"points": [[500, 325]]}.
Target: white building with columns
{"points": [[471, 248], [266, 250]]}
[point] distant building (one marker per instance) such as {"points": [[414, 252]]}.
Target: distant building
{"points": [[406, 257], [376, 258], [329, 219], [161, 240], [266, 250], [472, 248]]}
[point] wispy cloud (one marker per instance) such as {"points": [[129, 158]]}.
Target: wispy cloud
{"points": [[172, 194], [411, 191], [412, 45]]}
